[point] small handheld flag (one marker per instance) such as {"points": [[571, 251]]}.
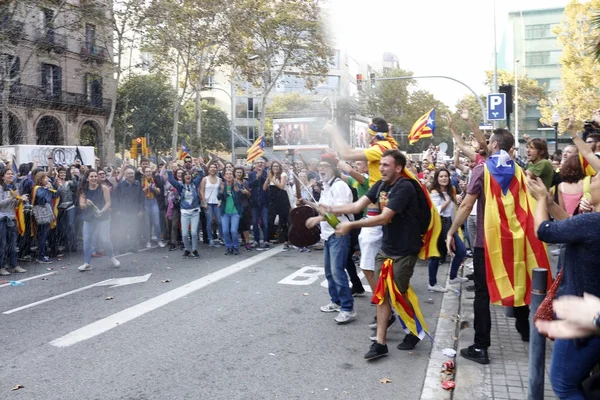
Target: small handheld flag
{"points": [[423, 128], [256, 150], [184, 152]]}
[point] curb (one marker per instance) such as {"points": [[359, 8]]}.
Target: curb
{"points": [[445, 337]]}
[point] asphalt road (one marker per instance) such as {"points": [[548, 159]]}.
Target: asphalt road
{"points": [[220, 327]]}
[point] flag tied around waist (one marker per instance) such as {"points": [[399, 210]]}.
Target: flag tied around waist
{"points": [[511, 248], [406, 306]]}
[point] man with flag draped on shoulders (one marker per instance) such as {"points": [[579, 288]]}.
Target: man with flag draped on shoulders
{"points": [[506, 249], [397, 199]]}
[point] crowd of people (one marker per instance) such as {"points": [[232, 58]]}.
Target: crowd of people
{"points": [[376, 203]]}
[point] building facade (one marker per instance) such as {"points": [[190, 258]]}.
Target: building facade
{"points": [[56, 74], [531, 49]]}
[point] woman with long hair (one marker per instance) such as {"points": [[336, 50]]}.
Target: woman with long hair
{"points": [[9, 200], [189, 203], [569, 191], [94, 202], [173, 213], [231, 211], [239, 174], [42, 195], [209, 192], [443, 196], [66, 210], [279, 203]]}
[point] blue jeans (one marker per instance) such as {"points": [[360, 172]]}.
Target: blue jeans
{"points": [[571, 364], [335, 251], [151, 207], [66, 228], [230, 224], [213, 210], [103, 228], [459, 256], [262, 213], [42, 234], [189, 224], [8, 243]]}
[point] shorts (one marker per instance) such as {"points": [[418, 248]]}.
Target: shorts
{"points": [[369, 241], [404, 266]]}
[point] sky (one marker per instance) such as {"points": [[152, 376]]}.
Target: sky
{"points": [[430, 37]]}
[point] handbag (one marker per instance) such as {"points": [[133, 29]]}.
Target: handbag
{"points": [[545, 311], [43, 214]]}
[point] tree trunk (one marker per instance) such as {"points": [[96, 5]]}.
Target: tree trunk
{"points": [[199, 114], [263, 115], [174, 133], [5, 115]]}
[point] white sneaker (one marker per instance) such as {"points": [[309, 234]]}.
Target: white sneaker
{"points": [[148, 245], [19, 270], [115, 262], [4, 272], [345, 316], [555, 252], [161, 243], [85, 267], [437, 288], [154, 238], [458, 280], [331, 307]]}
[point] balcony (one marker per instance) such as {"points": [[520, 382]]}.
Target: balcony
{"points": [[48, 39], [36, 96], [93, 53], [11, 30]]}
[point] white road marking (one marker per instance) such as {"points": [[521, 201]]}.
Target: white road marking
{"points": [[108, 323], [124, 281], [30, 278], [37, 303]]}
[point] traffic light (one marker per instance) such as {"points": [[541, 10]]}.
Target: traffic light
{"points": [[508, 91], [139, 146], [372, 80], [359, 82]]}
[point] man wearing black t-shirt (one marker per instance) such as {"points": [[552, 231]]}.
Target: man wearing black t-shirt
{"points": [[397, 200]]}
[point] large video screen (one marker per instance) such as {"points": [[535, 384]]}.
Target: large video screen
{"points": [[299, 133]]}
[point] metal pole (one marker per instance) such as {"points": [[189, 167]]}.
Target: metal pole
{"points": [[495, 54], [556, 137], [537, 342], [516, 104], [393, 78]]}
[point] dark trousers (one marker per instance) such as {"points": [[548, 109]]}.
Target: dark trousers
{"points": [[8, 242], [481, 305], [202, 225]]}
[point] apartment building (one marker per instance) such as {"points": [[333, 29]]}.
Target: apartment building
{"points": [[57, 73]]}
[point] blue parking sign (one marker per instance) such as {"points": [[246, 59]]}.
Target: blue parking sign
{"points": [[496, 106]]}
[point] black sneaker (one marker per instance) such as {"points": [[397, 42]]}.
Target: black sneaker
{"points": [[45, 260], [358, 291], [474, 354], [186, 254], [470, 276], [470, 288], [195, 254], [236, 252], [228, 252], [410, 342], [376, 350], [172, 247]]}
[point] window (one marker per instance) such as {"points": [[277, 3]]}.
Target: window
{"points": [[51, 80], [251, 134], [90, 36], [335, 62], [250, 107], [93, 89], [12, 64], [540, 31], [550, 84], [542, 58], [47, 19]]}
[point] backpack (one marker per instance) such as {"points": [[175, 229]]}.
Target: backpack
{"points": [[424, 213]]}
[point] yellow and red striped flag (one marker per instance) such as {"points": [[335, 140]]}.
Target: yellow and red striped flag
{"points": [[423, 128], [406, 306], [588, 170], [511, 248], [256, 150], [430, 238], [19, 213]]}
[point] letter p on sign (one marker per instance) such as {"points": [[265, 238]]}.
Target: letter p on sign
{"points": [[496, 105]]}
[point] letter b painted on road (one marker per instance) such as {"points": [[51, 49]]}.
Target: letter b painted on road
{"points": [[304, 276]]}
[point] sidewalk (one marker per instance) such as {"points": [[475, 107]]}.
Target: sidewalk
{"points": [[505, 378]]}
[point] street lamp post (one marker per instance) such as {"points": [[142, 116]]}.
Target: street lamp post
{"points": [[516, 104], [232, 122], [555, 121]]}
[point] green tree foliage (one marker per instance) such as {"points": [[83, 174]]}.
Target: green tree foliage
{"points": [[144, 107], [280, 36], [216, 129]]}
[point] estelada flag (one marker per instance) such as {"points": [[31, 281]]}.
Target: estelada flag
{"points": [[256, 150], [19, 213], [406, 306], [430, 238], [588, 170], [184, 152], [423, 128], [511, 248]]}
